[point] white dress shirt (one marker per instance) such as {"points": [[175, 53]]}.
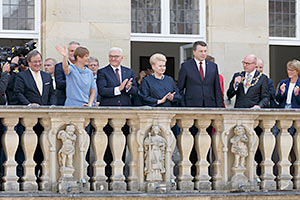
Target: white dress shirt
{"points": [[203, 66]]}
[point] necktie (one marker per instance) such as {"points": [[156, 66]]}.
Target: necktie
{"points": [[201, 72], [118, 75], [248, 82], [37, 81]]}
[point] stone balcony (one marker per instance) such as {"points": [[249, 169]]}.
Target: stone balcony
{"points": [[145, 161]]}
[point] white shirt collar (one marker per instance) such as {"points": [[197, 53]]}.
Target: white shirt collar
{"points": [[251, 73]]}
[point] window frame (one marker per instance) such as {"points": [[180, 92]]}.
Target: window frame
{"points": [[23, 34], [165, 35], [289, 41]]}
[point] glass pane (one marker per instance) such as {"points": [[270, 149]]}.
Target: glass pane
{"points": [[5, 24], [13, 24], [6, 1], [185, 16], [6, 11], [30, 2], [21, 24], [22, 2], [22, 12], [14, 11], [15, 2], [30, 12], [286, 7], [30, 24]]}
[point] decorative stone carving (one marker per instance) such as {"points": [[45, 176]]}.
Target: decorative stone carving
{"points": [[67, 182], [154, 149], [67, 151], [239, 146]]}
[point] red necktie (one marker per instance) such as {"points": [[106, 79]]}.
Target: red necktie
{"points": [[201, 72], [118, 75]]}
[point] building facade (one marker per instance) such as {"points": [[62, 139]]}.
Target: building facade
{"points": [[231, 28]]}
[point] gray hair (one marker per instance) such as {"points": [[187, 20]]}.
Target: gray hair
{"points": [[92, 59], [32, 54], [116, 49], [52, 59], [74, 43]]}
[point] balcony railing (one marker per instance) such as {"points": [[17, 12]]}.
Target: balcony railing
{"points": [[61, 149]]}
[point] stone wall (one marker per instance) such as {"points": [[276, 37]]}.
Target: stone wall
{"points": [[96, 24]]}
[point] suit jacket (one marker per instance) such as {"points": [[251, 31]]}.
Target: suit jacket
{"points": [[256, 95], [295, 102], [27, 91], [273, 103], [107, 81], [194, 91], [60, 80], [3, 85]]}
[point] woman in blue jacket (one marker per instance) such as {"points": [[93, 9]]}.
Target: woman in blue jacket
{"points": [[288, 92]]}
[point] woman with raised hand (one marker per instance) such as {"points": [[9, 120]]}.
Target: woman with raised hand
{"points": [[80, 84]]}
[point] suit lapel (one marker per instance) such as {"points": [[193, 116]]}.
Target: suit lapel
{"points": [[123, 73], [32, 81], [113, 74], [253, 80], [196, 70]]}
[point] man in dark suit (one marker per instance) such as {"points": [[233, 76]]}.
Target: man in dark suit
{"points": [[60, 77], [260, 68], [4, 77], [198, 80], [250, 86], [34, 87], [116, 83]]}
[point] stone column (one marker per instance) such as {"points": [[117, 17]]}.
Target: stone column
{"points": [[185, 144], [117, 144], [296, 149], [203, 142], [29, 143], [10, 144], [45, 184], [133, 149], [99, 142], [266, 146], [284, 146], [217, 145]]}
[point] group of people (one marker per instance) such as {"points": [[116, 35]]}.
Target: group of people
{"points": [[78, 81]]}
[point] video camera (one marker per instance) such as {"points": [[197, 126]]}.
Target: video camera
{"points": [[7, 54]]}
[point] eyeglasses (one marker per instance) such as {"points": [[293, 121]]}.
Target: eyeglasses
{"points": [[246, 63], [114, 57], [93, 65]]}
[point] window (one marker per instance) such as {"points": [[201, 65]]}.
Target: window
{"points": [[184, 17], [282, 18], [145, 16], [168, 20], [20, 19], [18, 14]]}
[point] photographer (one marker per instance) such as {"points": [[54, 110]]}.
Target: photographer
{"points": [[4, 82]]}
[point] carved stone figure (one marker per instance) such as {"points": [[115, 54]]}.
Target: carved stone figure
{"points": [[65, 154], [154, 149], [239, 146]]}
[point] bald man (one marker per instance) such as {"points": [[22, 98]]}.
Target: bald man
{"points": [[260, 68], [250, 86]]}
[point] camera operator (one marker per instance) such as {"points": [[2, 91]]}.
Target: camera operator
{"points": [[17, 65], [4, 82]]}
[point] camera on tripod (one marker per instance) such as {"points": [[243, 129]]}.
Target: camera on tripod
{"points": [[7, 54]]}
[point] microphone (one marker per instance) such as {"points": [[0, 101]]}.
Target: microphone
{"points": [[236, 85]]}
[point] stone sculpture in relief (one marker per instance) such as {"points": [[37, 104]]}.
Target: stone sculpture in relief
{"points": [[154, 152], [67, 151], [239, 146]]}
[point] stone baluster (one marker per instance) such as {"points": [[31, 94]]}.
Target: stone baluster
{"points": [[296, 149], [217, 145], [284, 146], [172, 163], [99, 142], [10, 144], [266, 146], [133, 149], [202, 143], [117, 144], [45, 184], [29, 143], [185, 145]]}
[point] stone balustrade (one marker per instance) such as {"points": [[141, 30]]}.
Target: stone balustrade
{"points": [[57, 149]]}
